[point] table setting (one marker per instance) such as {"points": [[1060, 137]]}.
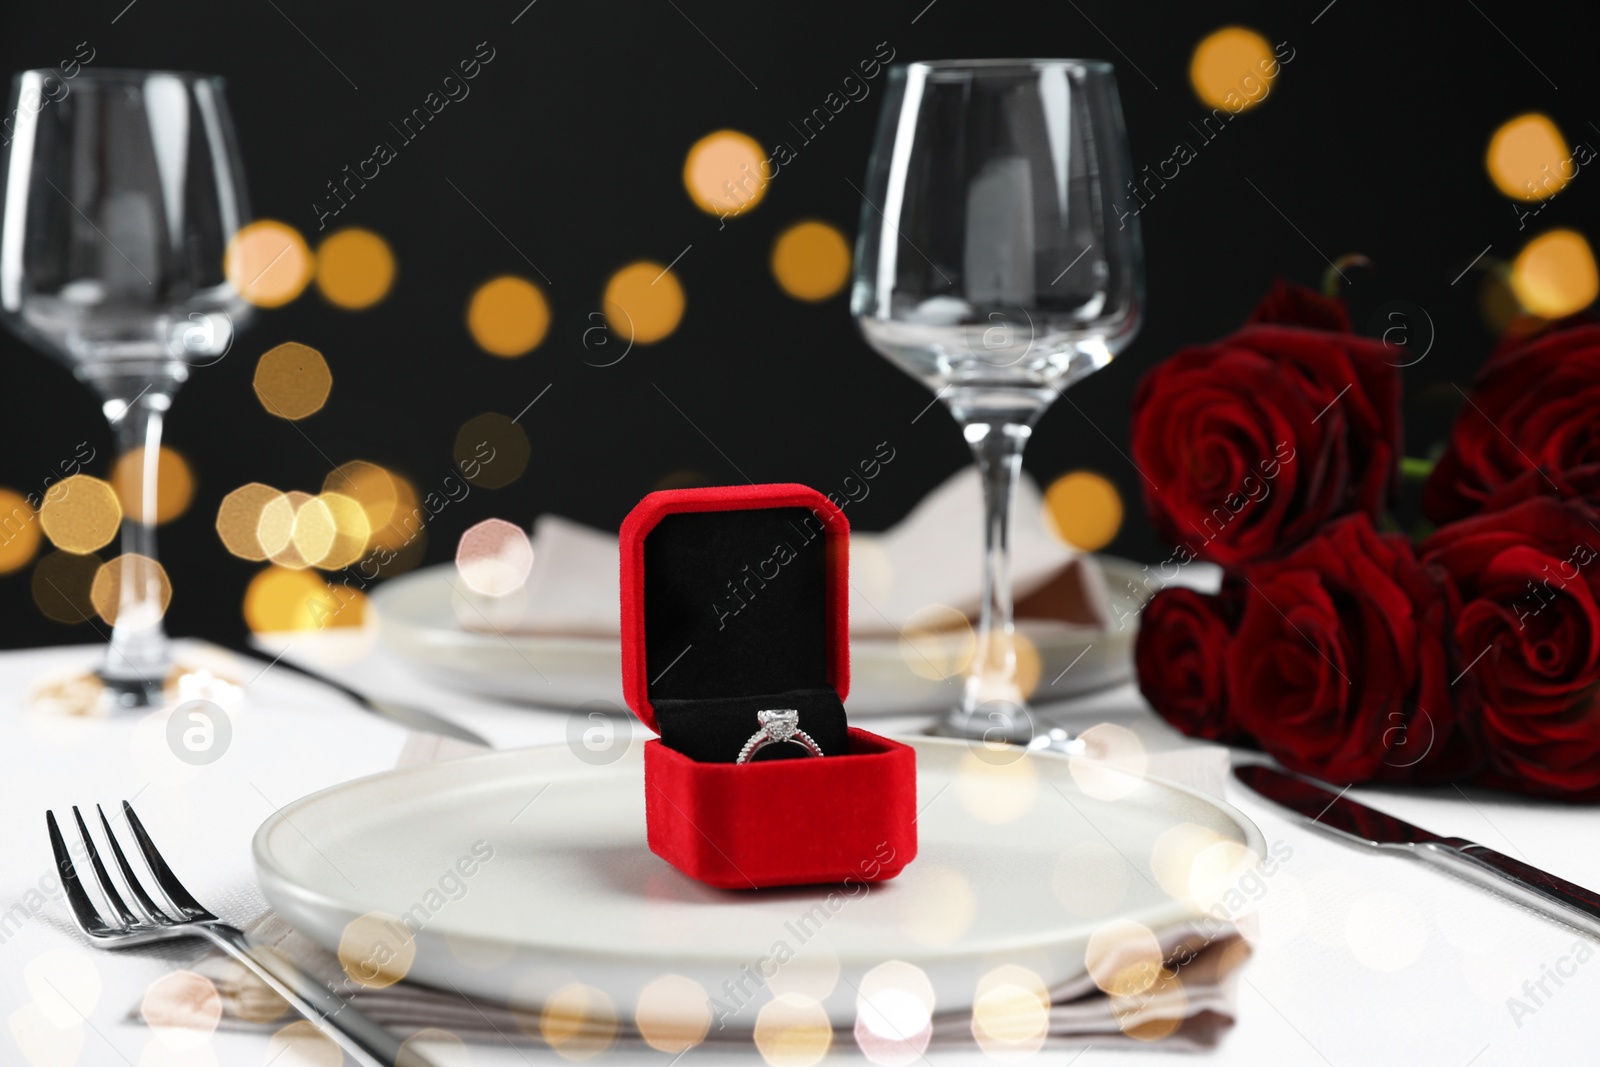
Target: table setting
{"points": [[1262, 729]]}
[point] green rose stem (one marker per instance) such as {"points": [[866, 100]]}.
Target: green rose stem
{"points": [[1415, 469]]}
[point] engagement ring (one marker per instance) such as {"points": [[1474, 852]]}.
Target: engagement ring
{"points": [[778, 726]]}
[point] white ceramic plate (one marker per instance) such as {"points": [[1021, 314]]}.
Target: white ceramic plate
{"points": [[420, 621], [1015, 865]]}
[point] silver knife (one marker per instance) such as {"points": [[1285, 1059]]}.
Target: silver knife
{"points": [[1336, 813], [412, 718]]}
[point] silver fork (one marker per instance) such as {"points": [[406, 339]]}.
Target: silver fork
{"points": [[366, 1041]]}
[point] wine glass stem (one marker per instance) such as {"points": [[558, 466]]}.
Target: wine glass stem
{"points": [[992, 698], [139, 655]]}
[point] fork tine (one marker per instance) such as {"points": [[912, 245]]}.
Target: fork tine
{"points": [[83, 909], [123, 913], [128, 877], [164, 877]]}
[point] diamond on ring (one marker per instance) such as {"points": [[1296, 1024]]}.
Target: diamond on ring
{"points": [[778, 726]]}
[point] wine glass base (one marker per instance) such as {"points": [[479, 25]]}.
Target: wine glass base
{"points": [[992, 729], [90, 694], [997, 721]]}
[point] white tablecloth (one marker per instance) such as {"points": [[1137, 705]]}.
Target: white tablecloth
{"points": [[1363, 958]]}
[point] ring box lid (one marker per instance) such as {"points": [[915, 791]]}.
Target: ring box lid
{"points": [[733, 591]]}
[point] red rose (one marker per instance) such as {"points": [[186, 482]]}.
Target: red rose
{"points": [[1528, 633], [1340, 666], [1181, 655], [1250, 445], [1579, 483], [1295, 305], [1535, 404]]}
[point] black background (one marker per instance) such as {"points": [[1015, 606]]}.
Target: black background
{"points": [[572, 142]]}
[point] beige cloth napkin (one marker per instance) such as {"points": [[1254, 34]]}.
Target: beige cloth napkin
{"points": [[930, 558]]}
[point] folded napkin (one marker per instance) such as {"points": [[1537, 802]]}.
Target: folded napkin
{"points": [[932, 557], [1188, 1007]]}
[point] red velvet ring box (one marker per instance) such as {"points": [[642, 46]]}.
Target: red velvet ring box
{"points": [[736, 600]]}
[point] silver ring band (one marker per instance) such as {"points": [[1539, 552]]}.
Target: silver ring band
{"points": [[778, 726]]}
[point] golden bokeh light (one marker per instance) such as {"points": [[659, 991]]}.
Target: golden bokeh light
{"points": [[578, 1021], [508, 316], [1528, 159], [1153, 1013], [174, 485], [724, 173], [643, 302], [1090, 879], [239, 520], [81, 514], [268, 262], [368, 485], [1555, 274], [61, 586], [1011, 1012], [494, 557], [1083, 509], [279, 600], [19, 531], [1218, 872], [1173, 856], [1111, 764], [937, 642], [182, 1007], [1123, 957], [301, 1044], [142, 580], [993, 790], [276, 528], [1013, 656], [297, 530], [811, 261], [894, 1013], [351, 531], [293, 381], [404, 527], [313, 531], [792, 1031], [1232, 68], [492, 450], [673, 1013], [376, 950], [355, 268]]}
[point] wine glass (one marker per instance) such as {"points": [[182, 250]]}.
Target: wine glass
{"points": [[996, 264], [122, 190]]}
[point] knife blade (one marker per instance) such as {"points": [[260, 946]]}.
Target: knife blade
{"points": [[1556, 898], [412, 718]]}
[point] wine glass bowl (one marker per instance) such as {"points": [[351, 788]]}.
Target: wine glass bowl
{"points": [[122, 190], [122, 193], [994, 265]]}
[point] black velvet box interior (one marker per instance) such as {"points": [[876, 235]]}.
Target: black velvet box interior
{"points": [[736, 614]]}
